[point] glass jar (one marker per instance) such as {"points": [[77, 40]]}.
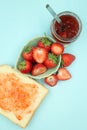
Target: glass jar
{"points": [[68, 30]]}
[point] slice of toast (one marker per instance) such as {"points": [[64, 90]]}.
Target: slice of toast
{"points": [[20, 96]]}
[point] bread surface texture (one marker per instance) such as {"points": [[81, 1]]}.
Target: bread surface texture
{"points": [[20, 95]]}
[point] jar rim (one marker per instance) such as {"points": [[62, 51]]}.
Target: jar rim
{"points": [[67, 39]]}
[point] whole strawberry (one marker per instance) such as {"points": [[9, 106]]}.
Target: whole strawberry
{"points": [[28, 54], [25, 66], [45, 43], [51, 61]]}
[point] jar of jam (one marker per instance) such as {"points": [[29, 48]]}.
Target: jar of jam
{"points": [[68, 30]]}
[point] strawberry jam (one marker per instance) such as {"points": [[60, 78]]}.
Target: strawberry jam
{"points": [[68, 30], [16, 96]]}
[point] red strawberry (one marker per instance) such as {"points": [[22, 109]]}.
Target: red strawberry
{"points": [[51, 61], [51, 80], [44, 43], [67, 59], [38, 69], [57, 48], [63, 74], [25, 66], [39, 54], [28, 54]]}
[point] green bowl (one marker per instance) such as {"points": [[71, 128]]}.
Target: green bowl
{"points": [[33, 42]]}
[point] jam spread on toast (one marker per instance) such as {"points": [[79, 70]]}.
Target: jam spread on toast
{"points": [[16, 96]]}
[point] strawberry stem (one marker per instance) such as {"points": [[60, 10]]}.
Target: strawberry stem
{"points": [[28, 49], [21, 65], [46, 41], [53, 58]]}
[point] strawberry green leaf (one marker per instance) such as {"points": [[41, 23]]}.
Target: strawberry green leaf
{"points": [[46, 42], [28, 49], [53, 58], [21, 65]]}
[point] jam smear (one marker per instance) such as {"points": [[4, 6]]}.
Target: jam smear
{"points": [[16, 96]]}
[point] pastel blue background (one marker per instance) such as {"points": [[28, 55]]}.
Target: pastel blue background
{"points": [[65, 107]]}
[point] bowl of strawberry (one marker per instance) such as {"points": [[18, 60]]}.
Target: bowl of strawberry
{"points": [[39, 57], [43, 58]]}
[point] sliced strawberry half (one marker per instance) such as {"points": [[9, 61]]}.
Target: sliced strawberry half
{"points": [[63, 74], [40, 54], [51, 80], [57, 48], [38, 69], [67, 59]]}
